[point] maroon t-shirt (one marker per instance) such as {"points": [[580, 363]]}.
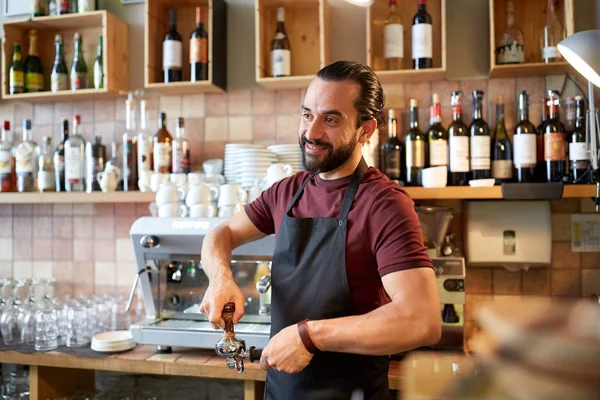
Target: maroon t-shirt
{"points": [[384, 233]]}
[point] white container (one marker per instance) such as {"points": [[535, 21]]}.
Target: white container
{"points": [[510, 234], [435, 177]]}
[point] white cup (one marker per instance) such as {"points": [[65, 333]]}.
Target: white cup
{"points": [[230, 210], [178, 179], [215, 179], [231, 194], [168, 193], [201, 193], [277, 172], [195, 177], [203, 210], [172, 210], [109, 179], [434, 177], [213, 167], [156, 179], [144, 181]]}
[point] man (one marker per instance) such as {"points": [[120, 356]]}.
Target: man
{"points": [[351, 279]]}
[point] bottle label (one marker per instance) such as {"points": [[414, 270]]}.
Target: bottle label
{"points": [[78, 80], [393, 41], [144, 154], [181, 158], [73, 172], [171, 54], [555, 146], [45, 180], [35, 81], [98, 76], [162, 157], [17, 79], [577, 151], [392, 164], [281, 61], [415, 153], [510, 54], [480, 152], [24, 158], [459, 154], [198, 50], [502, 169], [438, 152], [525, 150], [59, 163], [422, 41], [86, 5], [58, 82], [5, 161], [550, 52]]}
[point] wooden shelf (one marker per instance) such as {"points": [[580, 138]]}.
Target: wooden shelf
{"points": [[485, 193], [530, 17], [307, 27], [90, 26], [214, 18], [375, 41], [78, 197]]}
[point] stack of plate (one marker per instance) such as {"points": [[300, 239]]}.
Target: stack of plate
{"points": [[232, 163], [109, 342], [288, 154], [253, 166]]}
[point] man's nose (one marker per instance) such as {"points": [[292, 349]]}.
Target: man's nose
{"points": [[314, 131]]}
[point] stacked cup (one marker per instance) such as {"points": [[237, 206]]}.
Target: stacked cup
{"points": [[200, 200], [168, 199], [232, 198]]}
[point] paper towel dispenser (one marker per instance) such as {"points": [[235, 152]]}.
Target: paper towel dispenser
{"points": [[510, 234]]}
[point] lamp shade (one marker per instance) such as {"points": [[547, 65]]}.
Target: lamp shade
{"points": [[582, 51], [361, 3]]}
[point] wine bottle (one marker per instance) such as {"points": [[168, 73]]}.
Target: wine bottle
{"points": [[181, 150], [59, 158], [281, 51], [7, 160], [479, 140], [525, 144], [458, 134], [130, 157], [422, 38], [555, 144], [578, 155], [393, 36], [95, 158], [38, 8], [144, 141], [75, 159], [161, 146], [45, 172], [34, 72], [416, 148], [59, 77], [392, 152], [541, 163], [172, 51], [17, 76], [63, 7], [99, 66], [437, 135], [199, 51], [552, 34], [26, 161], [511, 49], [501, 152], [78, 68]]}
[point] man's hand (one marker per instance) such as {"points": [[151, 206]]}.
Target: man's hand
{"points": [[286, 352], [220, 292]]}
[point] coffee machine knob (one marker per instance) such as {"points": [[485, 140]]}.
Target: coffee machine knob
{"points": [[149, 241], [449, 315]]}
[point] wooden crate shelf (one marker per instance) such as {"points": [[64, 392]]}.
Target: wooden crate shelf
{"points": [[530, 17], [90, 25], [214, 18], [407, 9], [78, 197], [484, 193], [307, 26]]}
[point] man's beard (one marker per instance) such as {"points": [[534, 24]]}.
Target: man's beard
{"points": [[333, 160]]}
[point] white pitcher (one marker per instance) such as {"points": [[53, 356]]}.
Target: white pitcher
{"points": [[277, 172], [109, 179]]}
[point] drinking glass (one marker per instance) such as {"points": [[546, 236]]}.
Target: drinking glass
{"points": [[46, 328], [9, 321], [77, 325], [28, 309]]}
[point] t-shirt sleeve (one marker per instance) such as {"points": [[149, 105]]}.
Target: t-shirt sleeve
{"points": [[396, 234], [260, 211]]}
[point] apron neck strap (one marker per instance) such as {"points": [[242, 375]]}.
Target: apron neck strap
{"points": [[352, 188]]}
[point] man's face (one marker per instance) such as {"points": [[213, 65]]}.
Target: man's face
{"points": [[328, 134]]}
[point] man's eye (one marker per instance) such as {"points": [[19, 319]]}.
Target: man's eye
{"points": [[330, 120], [306, 115]]}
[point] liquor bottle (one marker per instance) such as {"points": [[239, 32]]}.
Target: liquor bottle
{"points": [[129, 148], [392, 152], [63, 7], [479, 140], [115, 162], [570, 113], [17, 77], [501, 152], [458, 135], [393, 36], [511, 48], [73, 6], [26, 160], [172, 51], [281, 51], [86, 6], [144, 141], [552, 34], [541, 163], [7, 160], [52, 9], [99, 66], [422, 38], [34, 72], [525, 144], [199, 50], [438, 137], [78, 68], [555, 143], [59, 77], [95, 157], [578, 156], [59, 158], [416, 148], [75, 159], [161, 146], [38, 8], [181, 150], [45, 174]]}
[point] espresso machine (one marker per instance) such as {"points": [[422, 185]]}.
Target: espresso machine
{"points": [[173, 283]]}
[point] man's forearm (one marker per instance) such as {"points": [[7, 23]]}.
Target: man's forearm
{"points": [[216, 253]]}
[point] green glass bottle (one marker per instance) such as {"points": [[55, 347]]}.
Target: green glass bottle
{"points": [[99, 67], [78, 68], [34, 72], [59, 78], [17, 78]]}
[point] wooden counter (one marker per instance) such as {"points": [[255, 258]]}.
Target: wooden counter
{"points": [[77, 373]]}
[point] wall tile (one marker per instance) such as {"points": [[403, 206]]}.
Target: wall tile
{"points": [[63, 271], [104, 250], [43, 269], [508, 301], [123, 224], [83, 274], [83, 290], [22, 249], [105, 209], [62, 110], [62, 227], [421, 91], [263, 102], [83, 250], [586, 206], [124, 209], [42, 249], [83, 227], [23, 227], [23, 209], [85, 109], [104, 227], [62, 249], [23, 111], [394, 96], [124, 250], [43, 114], [566, 205], [503, 87], [6, 209], [6, 269], [561, 227], [534, 85], [288, 101], [104, 274], [194, 130], [22, 269], [104, 110], [216, 105], [590, 260], [83, 209], [536, 282], [6, 249], [590, 282], [6, 226], [42, 209], [215, 129], [287, 127], [562, 257], [126, 272], [240, 102], [62, 209], [566, 283], [473, 302], [264, 128], [506, 282], [209, 150], [479, 281], [107, 130], [193, 106], [171, 105], [240, 129]]}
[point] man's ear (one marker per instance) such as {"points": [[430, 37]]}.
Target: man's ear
{"points": [[369, 127]]}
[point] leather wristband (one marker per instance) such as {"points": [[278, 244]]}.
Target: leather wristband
{"points": [[305, 337]]}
